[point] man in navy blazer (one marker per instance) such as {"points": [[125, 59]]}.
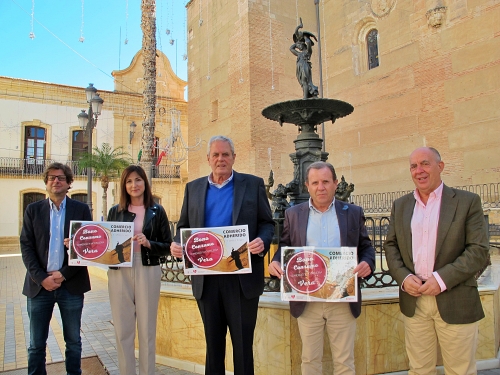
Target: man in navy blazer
{"points": [[326, 222], [49, 279], [226, 198]]}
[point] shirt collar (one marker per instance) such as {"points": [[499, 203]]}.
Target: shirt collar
{"points": [[61, 206], [315, 209], [224, 183], [436, 194]]}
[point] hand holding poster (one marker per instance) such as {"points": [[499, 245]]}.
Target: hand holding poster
{"points": [[216, 250], [105, 243], [319, 274]]}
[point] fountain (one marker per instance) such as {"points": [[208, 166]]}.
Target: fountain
{"points": [[306, 113]]}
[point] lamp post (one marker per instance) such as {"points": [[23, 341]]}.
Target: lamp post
{"points": [[88, 122], [133, 126]]}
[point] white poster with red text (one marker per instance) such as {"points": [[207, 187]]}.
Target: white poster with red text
{"points": [[217, 250], [322, 274], [101, 243]]}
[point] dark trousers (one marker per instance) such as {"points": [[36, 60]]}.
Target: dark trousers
{"points": [[40, 310], [223, 305]]}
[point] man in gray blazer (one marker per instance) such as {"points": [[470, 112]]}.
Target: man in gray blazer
{"points": [[49, 279], [436, 243], [226, 198], [326, 222]]}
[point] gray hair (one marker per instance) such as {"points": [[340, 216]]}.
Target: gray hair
{"points": [[321, 165], [221, 138], [436, 153]]}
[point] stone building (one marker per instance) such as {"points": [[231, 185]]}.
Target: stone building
{"points": [[39, 125], [417, 73]]}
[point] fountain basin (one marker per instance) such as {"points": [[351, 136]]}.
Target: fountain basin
{"points": [[309, 112]]}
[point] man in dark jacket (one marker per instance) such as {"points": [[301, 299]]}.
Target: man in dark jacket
{"points": [[326, 222], [226, 198], [49, 279]]}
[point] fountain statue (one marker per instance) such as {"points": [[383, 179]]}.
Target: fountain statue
{"points": [[306, 113]]}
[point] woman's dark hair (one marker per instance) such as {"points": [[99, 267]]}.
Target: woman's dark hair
{"points": [[125, 197]]}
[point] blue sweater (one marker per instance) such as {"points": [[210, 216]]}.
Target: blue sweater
{"points": [[219, 206]]}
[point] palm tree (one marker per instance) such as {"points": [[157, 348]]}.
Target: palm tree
{"points": [[107, 163], [148, 26]]}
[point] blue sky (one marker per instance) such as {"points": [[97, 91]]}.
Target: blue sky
{"points": [[56, 54]]}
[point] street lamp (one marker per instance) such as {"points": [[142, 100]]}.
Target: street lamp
{"points": [[88, 122], [133, 126]]}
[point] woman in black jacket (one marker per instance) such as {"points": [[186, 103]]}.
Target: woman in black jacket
{"points": [[134, 292]]}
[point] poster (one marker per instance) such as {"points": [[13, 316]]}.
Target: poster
{"points": [[101, 243], [323, 274], [218, 250]]}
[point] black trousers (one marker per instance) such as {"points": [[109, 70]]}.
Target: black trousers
{"points": [[223, 305]]}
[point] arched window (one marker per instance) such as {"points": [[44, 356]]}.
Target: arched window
{"points": [[372, 46], [79, 144], [34, 149], [80, 197], [31, 198]]}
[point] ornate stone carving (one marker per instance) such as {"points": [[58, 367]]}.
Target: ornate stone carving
{"points": [[381, 8], [435, 17]]}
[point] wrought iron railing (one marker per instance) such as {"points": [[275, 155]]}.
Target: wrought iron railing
{"points": [[382, 202], [166, 171], [31, 168], [377, 227]]}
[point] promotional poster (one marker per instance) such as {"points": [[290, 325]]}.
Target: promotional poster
{"points": [[323, 274], [218, 250], [101, 242]]}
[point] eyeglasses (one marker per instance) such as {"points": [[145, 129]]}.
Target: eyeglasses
{"points": [[60, 177]]}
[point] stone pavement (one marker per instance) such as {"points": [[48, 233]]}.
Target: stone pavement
{"points": [[97, 329], [98, 337]]}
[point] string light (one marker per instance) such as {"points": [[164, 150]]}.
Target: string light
{"points": [[297, 11], [32, 33], [200, 20], [126, 22], [271, 46], [324, 47], [208, 46], [176, 149], [185, 56], [81, 28], [240, 11], [171, 24], [158, 29]]}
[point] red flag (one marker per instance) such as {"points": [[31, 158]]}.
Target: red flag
{"points": [[162, 154]]}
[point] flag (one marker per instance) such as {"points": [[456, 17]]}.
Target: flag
{"points": [[162, 154], [139, 155], [155, 144]]}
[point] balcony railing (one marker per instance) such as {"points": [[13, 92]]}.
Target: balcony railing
{"points": [[382, 202], [33, 168], [166, 171]]}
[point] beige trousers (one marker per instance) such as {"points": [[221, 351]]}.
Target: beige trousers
{"points": [[133, 294], [340, 325], [458, 342]]}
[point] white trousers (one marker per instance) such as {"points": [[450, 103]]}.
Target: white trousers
{"points": [[134, 294]]}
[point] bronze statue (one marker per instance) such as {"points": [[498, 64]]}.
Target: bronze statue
{"points": [[278, 197], [344, 190], [302, 48]]}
